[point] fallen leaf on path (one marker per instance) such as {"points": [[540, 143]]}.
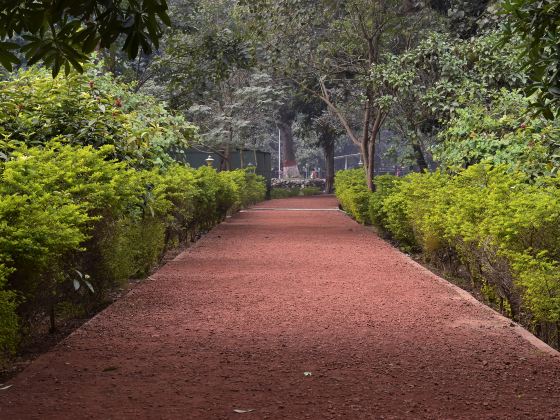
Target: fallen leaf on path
{"points": [[237, 410], [5, 387], [307, 373]]}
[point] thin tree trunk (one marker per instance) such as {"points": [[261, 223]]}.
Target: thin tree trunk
{"points": [[419, 155], [329, 160], [371, 164], [285, 121], [226, 164]]}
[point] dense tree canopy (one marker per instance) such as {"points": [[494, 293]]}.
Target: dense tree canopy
{"points": [[61, 33], [538, 24]]}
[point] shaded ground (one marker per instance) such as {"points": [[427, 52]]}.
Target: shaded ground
{"points": [[234, 322]]}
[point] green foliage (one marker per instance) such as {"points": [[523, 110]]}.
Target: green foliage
{"points": [[74, 223], [499, 131], [50, 201], [88, 109], [284, 192], [63, 33], [500, 226], [9, 322], [127, 248], [309, 191], [353, 194], [537, 22], [248, 187], [385, 185], [201, 50]]}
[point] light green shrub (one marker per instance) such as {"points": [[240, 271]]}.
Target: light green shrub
{"points": [[385, 184], [248, 187], [88, 109], [353, 194], [501, 225]]}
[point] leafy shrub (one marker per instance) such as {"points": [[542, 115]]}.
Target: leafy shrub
{"points": [[51, 200], [277, 192], [353, 194], [89, 193], [502, 226], [385, 185], [88, 109], [128, 248], [501, 133], [248, 187], [284, 192], [9, 322], [74, 223], [309, 191]]}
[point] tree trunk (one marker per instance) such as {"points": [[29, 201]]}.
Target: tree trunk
{"points": [[285, 121], [371, 164], [225, 163], [419, 154], [328, 149]]}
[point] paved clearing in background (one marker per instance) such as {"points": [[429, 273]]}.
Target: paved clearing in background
{"points": [[293, 314]]}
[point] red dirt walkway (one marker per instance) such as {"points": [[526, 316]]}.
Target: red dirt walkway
{"points": [[234, 323]]}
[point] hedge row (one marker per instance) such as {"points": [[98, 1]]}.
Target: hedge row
{"points": [[294, 192], [502, 228], [74, 223]]}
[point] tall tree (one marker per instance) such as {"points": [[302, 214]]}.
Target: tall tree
{"points": [[328, 49], [207, 70]]}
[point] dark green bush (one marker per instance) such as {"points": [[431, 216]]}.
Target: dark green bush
{"points": [[309, 191], [284, 192], [9, 321]]}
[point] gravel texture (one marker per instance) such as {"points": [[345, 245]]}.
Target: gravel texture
{"points": [[293, 314]]}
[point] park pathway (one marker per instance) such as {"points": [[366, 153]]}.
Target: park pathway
{"points": [[292, 313]]}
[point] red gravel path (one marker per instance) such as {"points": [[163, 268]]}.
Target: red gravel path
{"points": [[235, 322]]}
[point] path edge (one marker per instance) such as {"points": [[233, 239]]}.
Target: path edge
{"points": [[518, 328]]}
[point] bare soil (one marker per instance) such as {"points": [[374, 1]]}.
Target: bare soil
{"points": [[292, 314]]}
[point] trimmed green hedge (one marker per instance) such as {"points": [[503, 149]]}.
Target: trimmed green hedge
{"points": [[501, 226], [278, 192], [74, 223], [90, 194]]}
